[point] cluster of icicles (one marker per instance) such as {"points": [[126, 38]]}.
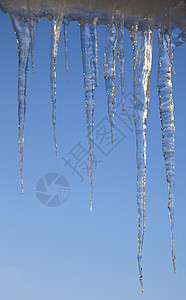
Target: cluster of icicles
{"points": [[141, 36]]}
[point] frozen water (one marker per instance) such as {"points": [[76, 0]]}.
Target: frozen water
{"points": [[142, 49], [55, 35], [121, 53], [65, 33], [140, 17], [168, 41], [109, 72], [87, 45]]}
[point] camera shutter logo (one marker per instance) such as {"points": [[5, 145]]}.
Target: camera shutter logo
{"points": [[52, 189]]}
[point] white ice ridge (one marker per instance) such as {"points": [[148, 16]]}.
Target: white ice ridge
{"points": [[140, 18]]}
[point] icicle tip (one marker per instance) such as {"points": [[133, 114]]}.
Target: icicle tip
{"points": [[56, 150], [22, 189], [174, 264]]}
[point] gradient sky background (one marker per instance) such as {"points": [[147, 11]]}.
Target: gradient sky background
{"points": [[66, 252]]}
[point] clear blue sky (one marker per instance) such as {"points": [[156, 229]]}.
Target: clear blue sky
{"points": [[66, 252]]}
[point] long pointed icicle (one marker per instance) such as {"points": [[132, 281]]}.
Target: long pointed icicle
{"points": [[55, 35], [168, 41], [94, 58], [89, 86], [142, 49], [109, 73], [32, 29], [21, 29], [65, 33], [121, 53]]}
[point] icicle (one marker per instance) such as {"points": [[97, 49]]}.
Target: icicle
{"points": [[167, 41], [21, 29], [55, 34], [32, 29], [109, 73], [94, 58], [65, 33], [87, 55], [121, 63], [142, 49]]}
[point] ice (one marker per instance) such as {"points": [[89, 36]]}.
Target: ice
{"points": [[109, 72], [168, 41], [65, 33], [32, 28], [140, 17], [142, 50], [121, 53], [55, 35], [87, 46], [94, 46], [22, 33]]}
